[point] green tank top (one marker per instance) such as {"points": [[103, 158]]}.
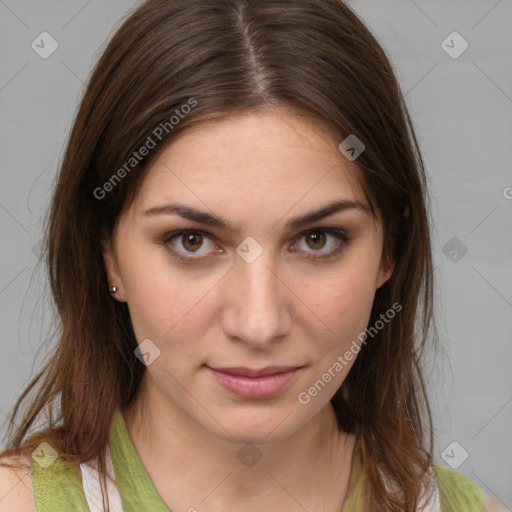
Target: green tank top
{"points": [[58, 487]]}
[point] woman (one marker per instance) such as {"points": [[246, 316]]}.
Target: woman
{"points": [[238, 248]]}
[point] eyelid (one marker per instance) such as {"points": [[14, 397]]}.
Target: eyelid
{"points": [[180, 255], [339, 233]]}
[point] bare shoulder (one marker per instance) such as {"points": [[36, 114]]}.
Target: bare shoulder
{"points": [[490, 505], [16, 492]]}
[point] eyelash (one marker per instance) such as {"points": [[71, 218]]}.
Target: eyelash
{"points": [[339, 234]]}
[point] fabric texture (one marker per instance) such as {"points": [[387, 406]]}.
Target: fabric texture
{"points": [[458, 492], [92, 486], [59, 487]]}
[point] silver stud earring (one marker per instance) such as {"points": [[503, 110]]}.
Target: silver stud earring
{"points": [[113, 289]]}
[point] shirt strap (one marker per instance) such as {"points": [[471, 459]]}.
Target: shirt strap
{"points": [[434, 503], [92, 487]]}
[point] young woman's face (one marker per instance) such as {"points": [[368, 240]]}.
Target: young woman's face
{"points": [[252, 283]]}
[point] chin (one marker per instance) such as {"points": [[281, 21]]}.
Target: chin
{"points": [[257, 427]]}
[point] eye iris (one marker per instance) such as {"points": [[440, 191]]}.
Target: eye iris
{"points": [[316, 238], [192, 239]]}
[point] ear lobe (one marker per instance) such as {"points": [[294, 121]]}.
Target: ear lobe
{"points": [[384, 275], [111, 267], [387, 266]]}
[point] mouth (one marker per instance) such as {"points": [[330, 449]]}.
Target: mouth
{"points": [[252, 383]]}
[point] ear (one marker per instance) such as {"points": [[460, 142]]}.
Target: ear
{"points": [[112, 268], [387, 265]]}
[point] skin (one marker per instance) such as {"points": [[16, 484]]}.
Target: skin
{"points": [[256, 171]]}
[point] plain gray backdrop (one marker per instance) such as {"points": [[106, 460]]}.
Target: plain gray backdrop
{"points": [[460, 100]]}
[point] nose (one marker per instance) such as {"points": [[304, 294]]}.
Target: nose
{"points": [[257, 303]]}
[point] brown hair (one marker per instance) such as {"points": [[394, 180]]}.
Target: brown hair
{"points": [[232, 56]]}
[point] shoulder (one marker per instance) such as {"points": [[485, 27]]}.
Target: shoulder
{"points": [[46, 482], [458, 492], [57, 482], [16, 491]]}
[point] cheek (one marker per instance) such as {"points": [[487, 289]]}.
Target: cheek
{"points": [[344, 301], [164, 311], [166, 305]]}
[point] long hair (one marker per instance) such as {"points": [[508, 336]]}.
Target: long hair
{"points": [[221, 57]]}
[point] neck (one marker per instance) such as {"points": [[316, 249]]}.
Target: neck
{"points": [[174, 448]]}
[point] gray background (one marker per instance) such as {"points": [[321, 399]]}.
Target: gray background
{"points": [[462, 111]]}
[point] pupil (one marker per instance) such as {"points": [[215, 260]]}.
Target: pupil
{"points": [[191, 239], [317, 237]]}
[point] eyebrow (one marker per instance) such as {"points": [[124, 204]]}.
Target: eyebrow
{"points": [[202, 217]]}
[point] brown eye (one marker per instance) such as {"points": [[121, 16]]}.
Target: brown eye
{"points": [[321, 243], [192, 241], [190, 245], [317, 239]]}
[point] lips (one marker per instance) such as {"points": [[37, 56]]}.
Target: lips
{"points": [[248, 372], [252, 383]]}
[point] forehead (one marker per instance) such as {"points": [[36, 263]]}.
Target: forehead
{"points": [[271, 161]]}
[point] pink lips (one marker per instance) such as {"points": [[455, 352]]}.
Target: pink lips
{"points": [[253, 384]]}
